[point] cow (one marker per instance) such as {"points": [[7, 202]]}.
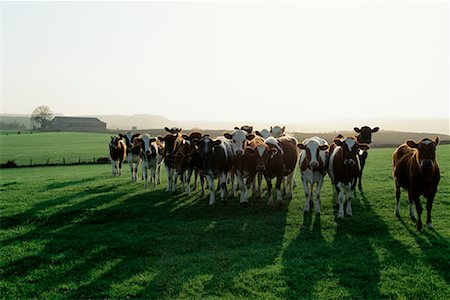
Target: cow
{"points": [[133, 144], [171, 142], [117, 152], [278, 160], [195, 163], [343, 169], [217, 160], [182, 158], [246, 165], [313, 164], [415, 169], [152, 151], [364, 136], [288, 144], [246, 128]]}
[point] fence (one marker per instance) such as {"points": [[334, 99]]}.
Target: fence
{"points": [[42, 162]]}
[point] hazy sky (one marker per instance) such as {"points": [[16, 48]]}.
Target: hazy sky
{"points": [[231, 61]]}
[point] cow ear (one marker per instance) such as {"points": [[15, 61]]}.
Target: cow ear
{"points": [[227, 135], [301, 146], [273, 151], [250, 136], [323, 147], [249, 150], [152, 140], [251, 128], [167, 129], [185, 136], [356, 129], [375, 129], [270, 128], [411, 144], [236, 128], [179, 129], [216, 143], [364, 147], [284, 128], [257, 133], [135, 135], [121, 135], [161, 138], [338, 142], [436, 141]]}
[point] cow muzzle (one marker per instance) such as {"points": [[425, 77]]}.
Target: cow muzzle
{"points": [[313, 164], [260, 168], [349, 162], [426, 164]]}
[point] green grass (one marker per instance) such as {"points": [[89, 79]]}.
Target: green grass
{"points": [[52, 147], [78, 232]]}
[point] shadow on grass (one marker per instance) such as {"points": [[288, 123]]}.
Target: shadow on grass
{"points": [[146, 244], [347, 264]]}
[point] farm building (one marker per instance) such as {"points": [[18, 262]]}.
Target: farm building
{"points": [[77, 124]]}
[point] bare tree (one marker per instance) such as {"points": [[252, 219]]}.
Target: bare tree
{"points": [[41, 117]]}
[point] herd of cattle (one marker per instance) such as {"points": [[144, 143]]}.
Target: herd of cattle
{"points": [[249, 156]]}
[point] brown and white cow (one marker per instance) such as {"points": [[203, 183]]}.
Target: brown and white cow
{"points": [[416, 170], [152, 157], [364, 136], [195, 162], [133, 144], [277, 131], [264, 133], [279, 159], [117, 152], [182, 158], [171, 143], [343, 169], [313, 166], [247, 165]]}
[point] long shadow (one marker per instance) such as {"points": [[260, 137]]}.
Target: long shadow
{"points": [[434, 247], [158, 243]]}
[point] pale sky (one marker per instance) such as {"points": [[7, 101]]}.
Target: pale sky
{"points": [[229, 61]]}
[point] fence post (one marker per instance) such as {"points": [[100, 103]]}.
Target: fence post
{"points": [[48, 161], [64, 160], [79, 160]]}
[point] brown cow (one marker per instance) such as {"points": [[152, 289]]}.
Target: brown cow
{"points": [[117, 152], [181, 163], [171, 142], [343, 169], [364, 136], [416, 170]]}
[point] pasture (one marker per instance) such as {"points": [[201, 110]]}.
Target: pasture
{"points": [[78, 232]]}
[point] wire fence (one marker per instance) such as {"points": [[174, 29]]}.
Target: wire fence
{"points": [[61, 161]]}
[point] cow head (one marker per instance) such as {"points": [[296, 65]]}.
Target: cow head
{"points": [[277, 131], [312, 149], [182, 156], [350, 147], [148, 150], [129, 138], [171, 142], [263, 133], [238, 138], [427, 152], [172, 130], [246, 128], [261, 155], [365, 134]]}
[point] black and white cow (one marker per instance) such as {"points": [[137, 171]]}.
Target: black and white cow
{"points": [[133, 144], [152, 157]]}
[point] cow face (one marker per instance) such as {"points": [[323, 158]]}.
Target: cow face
{"points": [[365, 134], [277, 131], [182, 156], [170, 143], [427, 151], [312, 149], [238, 138], [263, 133], [148, 150], [114, 141], [260, 155], [350, 147], [129, 138], [172, 130]]}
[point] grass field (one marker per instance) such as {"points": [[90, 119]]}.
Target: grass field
{"points": [[78, 232], [52, 147]]}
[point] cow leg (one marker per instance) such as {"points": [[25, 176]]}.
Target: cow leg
{"points": [[419, 213], [120, 167], [349, 196], [317, 194], [340, 201], [188, 187], [169, 179], [411, 206], [202, 182], [241, 187], [175, 179], [429, 206], [278, 190], [145, 175], [307, 192], [113, 167], [269, 188], [158, 173], [249, 183], [153, 175], [259, 192], [212, 196], [223, 185], [397, 196], [231, 179]]}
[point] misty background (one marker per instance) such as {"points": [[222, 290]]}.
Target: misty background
{"points": [[312, 66]]}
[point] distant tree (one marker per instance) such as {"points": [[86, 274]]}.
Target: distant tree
{"points": [[134, 128], [41, 117]]}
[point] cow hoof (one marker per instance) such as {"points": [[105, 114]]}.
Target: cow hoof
{"points": [[281, 204], [397, 214], [244, 204], [420, 229], [413, 218], [430, 225]]}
